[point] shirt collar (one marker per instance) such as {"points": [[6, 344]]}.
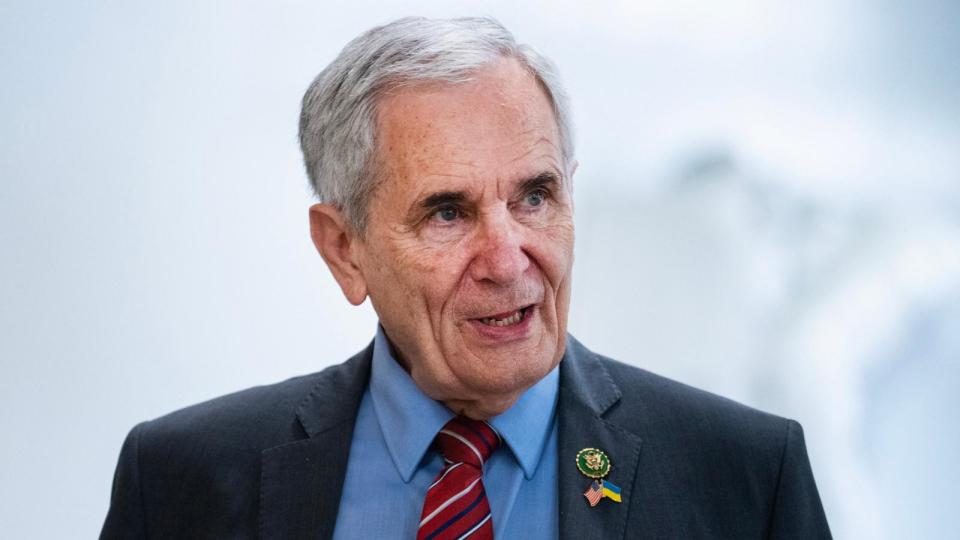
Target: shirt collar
{"points": [[525, 426], [409, 420]]}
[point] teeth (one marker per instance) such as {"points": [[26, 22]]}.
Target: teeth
{"points": [[513, 319]]}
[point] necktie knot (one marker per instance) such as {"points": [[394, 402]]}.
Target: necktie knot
{"points": [[463, 440]]}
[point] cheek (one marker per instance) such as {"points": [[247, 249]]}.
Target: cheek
{"points": [[429, 272], [418, 255], [553, 249]]}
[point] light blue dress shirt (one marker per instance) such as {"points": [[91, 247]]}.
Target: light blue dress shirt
{"points": [[391, 461]]}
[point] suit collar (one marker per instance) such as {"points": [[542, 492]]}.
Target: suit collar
{"points": [[588, 395], [301, 481], [336, 397], [585, 379]]}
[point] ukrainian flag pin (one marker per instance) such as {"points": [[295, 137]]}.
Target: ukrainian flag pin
{"points": [[595, 463]]}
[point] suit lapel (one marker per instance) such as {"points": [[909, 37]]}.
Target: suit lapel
{"points": [[301, 481], [587, 392]]}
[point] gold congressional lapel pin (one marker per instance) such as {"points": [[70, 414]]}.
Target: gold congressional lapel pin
{"points": [[595, 463]]}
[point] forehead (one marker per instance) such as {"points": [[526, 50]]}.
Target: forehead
{"points": [[501, 122]]}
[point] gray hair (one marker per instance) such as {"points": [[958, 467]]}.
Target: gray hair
{"points": [[338, 115]]}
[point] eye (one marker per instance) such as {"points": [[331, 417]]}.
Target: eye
{"points": [[536, 198], [447, 214]]}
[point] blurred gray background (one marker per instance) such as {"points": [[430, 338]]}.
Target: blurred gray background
{"points": [[768, 207]]}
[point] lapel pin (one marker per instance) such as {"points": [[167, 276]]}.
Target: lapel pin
{"points": [[595, 463]]}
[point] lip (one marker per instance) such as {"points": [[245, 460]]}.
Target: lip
{"points": [[504, 334]]}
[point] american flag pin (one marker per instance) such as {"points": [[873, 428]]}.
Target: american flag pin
{"points": [[594, 493]]}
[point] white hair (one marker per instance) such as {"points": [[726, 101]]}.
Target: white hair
{"points": [[338, 115]]}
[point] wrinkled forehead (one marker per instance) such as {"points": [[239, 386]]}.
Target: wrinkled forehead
{"points": [[501, 118]]}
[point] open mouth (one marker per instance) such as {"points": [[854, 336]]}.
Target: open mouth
{"points": [[509, 318]]}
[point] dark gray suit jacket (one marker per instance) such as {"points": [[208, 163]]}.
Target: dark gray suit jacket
{"points": [[270, 461]]}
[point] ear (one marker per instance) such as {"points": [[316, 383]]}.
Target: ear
{"points": [[333, 239]]}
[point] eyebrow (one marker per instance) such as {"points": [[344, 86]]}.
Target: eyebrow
{"points": [[546, 179], [434, 201], [443, 198]]}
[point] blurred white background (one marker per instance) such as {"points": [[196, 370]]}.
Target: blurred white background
{"points": [[768, 207]]}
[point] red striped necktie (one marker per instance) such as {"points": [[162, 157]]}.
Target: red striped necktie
{"points": [[456, 504]]}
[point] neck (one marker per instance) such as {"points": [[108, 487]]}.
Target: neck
{"points": [[482, 409]]}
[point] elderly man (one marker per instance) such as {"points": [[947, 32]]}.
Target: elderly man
{"points": [[442, 154]]}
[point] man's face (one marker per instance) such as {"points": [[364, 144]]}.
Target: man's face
{"points": [[469, 245]]}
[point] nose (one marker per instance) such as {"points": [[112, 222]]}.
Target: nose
{"points": [[500, 256]]}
